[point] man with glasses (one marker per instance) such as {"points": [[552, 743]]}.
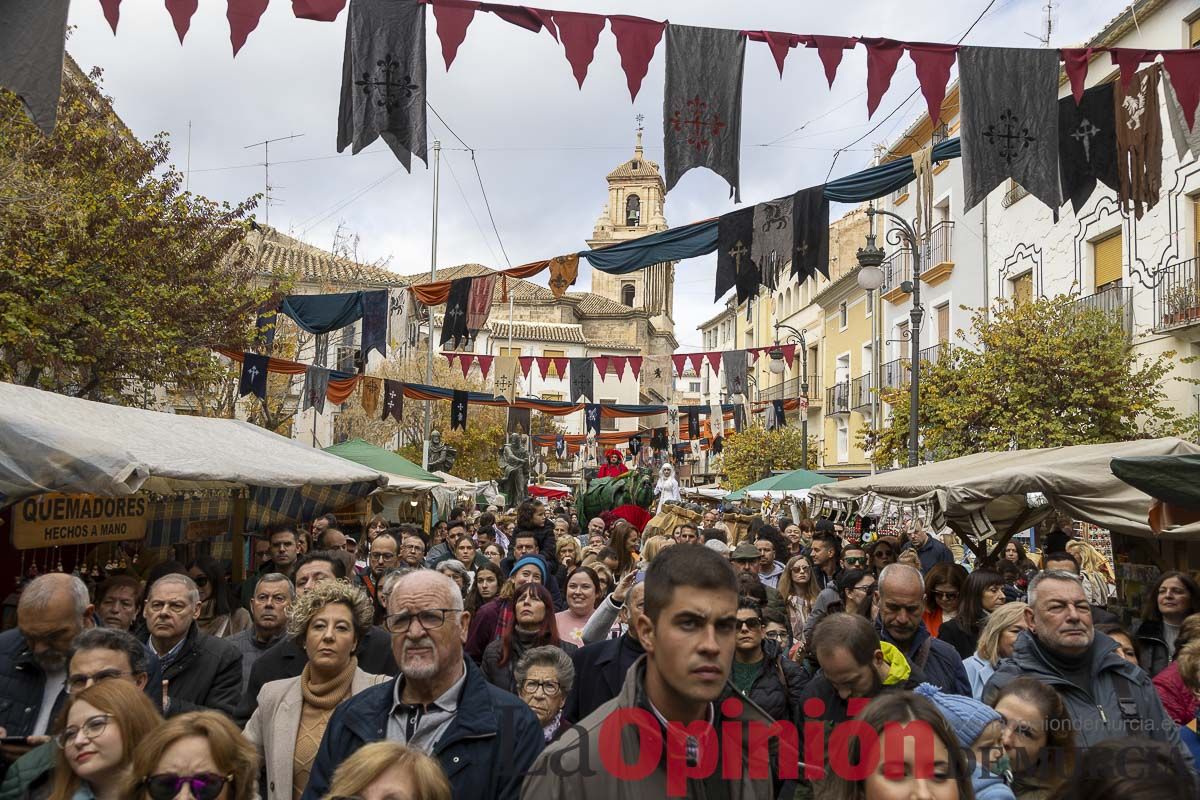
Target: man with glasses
{"points": [[273, 596], [384, 555], [199, 671], [761, 671], [854, 557], [484, 738], [412, 551]]}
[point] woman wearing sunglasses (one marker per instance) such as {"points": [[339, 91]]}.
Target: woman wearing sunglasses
{"points": [[219, 616], [100, 725], [200, 755], [943, 588]]}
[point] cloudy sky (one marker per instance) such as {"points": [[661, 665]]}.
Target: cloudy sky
{"points": [[541, 144]]}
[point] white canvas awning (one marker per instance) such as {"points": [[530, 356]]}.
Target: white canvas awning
{"points": [[993, 494], [53, 443]]}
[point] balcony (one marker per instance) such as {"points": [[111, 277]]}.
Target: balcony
{"points": [[1177, 297], [860, 393], [894, 374], [941, 260], [789, 389], [930, 355], [1116, 302], [837, 399], [897, 268]]}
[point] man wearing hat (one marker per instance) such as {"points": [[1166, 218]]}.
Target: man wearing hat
{"points": [[745, 558]]}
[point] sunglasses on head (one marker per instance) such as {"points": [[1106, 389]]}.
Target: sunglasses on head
{"points": [[203, 785]]}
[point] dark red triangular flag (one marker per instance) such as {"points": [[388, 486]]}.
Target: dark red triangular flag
{"points": [[714, 361], [601, 363], [560, 366], [635, 363], [526, 363], [636, 39], [243, 16], [679, 360], [485, 364], [465, 362], [450, 358], [830, 50], [619, 363], [1075, 63], [789, 353], [1128, 59], [112, 12], [779, 43], [933, 63], [452, 21], [543, 363], [697, 360], [318, 10], [882, 57], [1184, 68], [531, 19], [181, 12], [579, 34]]}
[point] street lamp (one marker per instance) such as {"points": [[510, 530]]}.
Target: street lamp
{"points": [[870, 276], [777, 367]]}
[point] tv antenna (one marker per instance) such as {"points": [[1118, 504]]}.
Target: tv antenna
{"points": [[266, 146], [1048, 22]]}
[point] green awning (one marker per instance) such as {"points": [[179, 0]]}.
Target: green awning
{"points": [[794, 481], [1171, 479], [381, 459]]}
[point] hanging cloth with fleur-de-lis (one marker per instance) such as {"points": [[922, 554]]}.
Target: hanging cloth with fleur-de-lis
{"points": [[383, 78]]}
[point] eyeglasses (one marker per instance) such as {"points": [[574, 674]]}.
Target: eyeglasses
{"points": [[548, 688], [856, 560], [203, 785], [779, 636], [945, 595], [91, 729], [80, 681], [754, 623], [175, 606], [430, 618], [870, 587]]}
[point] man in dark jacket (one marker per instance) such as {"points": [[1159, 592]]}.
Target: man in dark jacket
{"points": [[929, 550], [600, 668], [199, 671], [1105, 696], [484, 738], [900, 598], [773, 683]]}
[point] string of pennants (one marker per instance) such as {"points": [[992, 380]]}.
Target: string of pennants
{"points": [[557, 366]]}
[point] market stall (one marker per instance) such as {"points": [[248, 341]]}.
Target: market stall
{"points": [[408, 495], [794, 484]]}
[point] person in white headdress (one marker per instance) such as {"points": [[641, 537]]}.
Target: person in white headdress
{"points": [[667, 487]]}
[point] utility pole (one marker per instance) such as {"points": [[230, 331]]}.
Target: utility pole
{"points": [[266, 146], [437, 162]]}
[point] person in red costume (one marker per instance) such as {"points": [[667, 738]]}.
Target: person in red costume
{"points": [[614, 466]]}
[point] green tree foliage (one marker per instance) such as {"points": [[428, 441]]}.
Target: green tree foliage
{"points": [[755, 453], [112, 279], [1046, 374]]}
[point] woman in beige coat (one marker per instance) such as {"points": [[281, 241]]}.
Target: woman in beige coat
{"points": [[328, 622]]}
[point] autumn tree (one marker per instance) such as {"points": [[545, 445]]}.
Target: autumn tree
{"points": [[1046, 373], [112, 278], [756, 452]]}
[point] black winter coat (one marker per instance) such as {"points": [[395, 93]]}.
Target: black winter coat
{"points": [[1155, 657], [207, 674], [21, 684], [287, 660], [953, 634], [599, 674], [779, 686], [503, 676]]}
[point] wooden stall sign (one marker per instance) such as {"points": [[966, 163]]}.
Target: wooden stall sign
{"points": [[58, 520]]}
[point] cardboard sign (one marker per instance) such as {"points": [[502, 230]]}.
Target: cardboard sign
{"points": [[58, 520]]}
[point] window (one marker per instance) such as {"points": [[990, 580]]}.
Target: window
{"points": [[694, 386], [515, 352], [551, 370], [1196, 225], [347, 359], [900, 195], [1194, 33], [941, 133], [1022, 288], [607, 423], [552, 396], [843, 316], [943, 322], [901, 339], [843, 441], [633, 210], [627, 293], [1106, 262]]}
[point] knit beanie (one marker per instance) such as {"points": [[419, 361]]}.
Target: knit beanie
{"points": [[526, 561], [966, 716]]}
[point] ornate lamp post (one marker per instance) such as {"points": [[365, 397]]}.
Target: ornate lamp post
{"points": [[777, 367], [869, 259]]}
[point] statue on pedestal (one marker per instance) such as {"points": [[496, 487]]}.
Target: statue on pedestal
{"points": [[441, 456], [514, 468]]}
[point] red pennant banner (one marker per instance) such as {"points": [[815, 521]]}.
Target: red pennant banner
{"points": [[450, 358], [714, 361], [601, 363], [635, 364], [697, 361], [112, 12], [452, 21], [580, 33], [181, 12], [1075, 61], [636, 40], [933, 63], [619, 363], [243, 16], [531, 19], [526, 363], [780, 44], [882, 57], [830, 50], [679, 360], [485, 364], [318, 10], [1184, 68], [464, 363], [560, 367], [543, 365], [1128, 59], [789, 353]]}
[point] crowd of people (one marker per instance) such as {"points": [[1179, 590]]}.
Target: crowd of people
{"points": [[533, 654]]}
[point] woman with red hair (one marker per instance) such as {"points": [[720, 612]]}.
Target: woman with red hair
{"points": [[532, 625]]}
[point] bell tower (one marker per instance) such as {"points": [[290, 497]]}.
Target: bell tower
{"points": [[636, 194]]}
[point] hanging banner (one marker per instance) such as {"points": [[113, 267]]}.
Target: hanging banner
{"points": [[58, 520]]}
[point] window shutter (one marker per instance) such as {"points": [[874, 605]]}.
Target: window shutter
{"points": [[1106, 255], [1194, 32], [1196, 223]]}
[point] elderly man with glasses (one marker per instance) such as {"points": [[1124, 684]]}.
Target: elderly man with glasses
{"points": [[441, 704]]}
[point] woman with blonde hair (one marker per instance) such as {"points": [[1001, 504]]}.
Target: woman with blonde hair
{"points": [[996, 642], [100, 726], [388, 769], [328, 622], [569, 552], [202, 750], [653, 546]]}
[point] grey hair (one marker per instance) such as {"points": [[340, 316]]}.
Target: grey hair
{"points": [[1050, 575], [276, 577], [388, 581], [41, 590], [546, 656], [455, 594], [454, 565], [898, 569], [112, 639], [183, 580]]}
